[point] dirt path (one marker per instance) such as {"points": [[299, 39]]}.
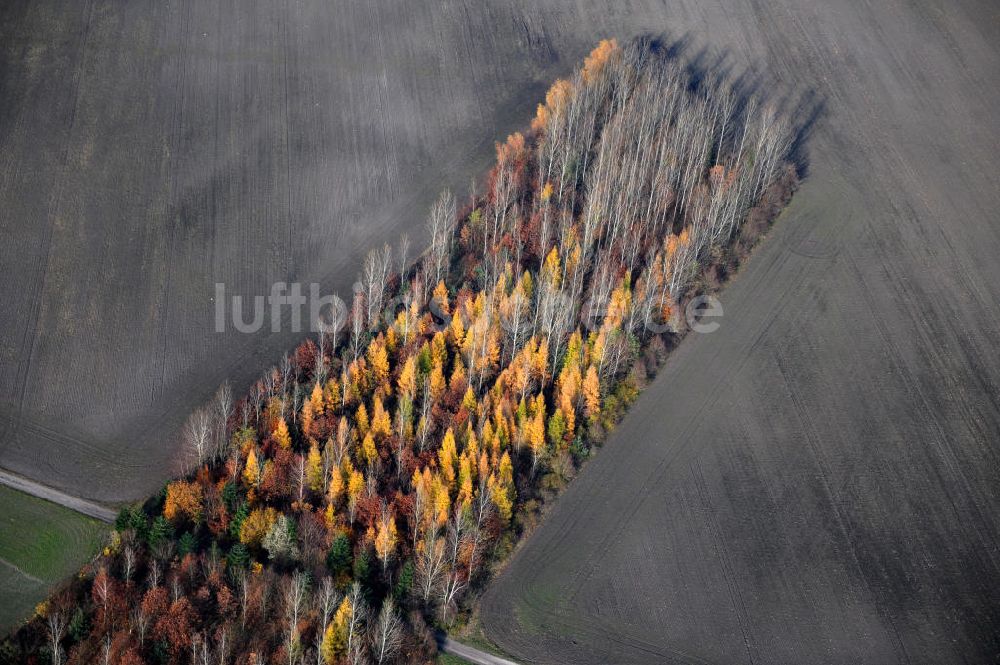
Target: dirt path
{"points": [[88, 508], [471, 654], [19, 571]]}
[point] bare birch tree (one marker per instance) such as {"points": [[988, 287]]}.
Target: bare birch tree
{"points": [[198, 436], [223, 409], [440, 225], [374, 281], [55, 622], [295, 597], [387, 634], [430, 566]]}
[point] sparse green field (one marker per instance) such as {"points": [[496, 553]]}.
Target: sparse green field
{"points": [[40, 545], [448, 659]]}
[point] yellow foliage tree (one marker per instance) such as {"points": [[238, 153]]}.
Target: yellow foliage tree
{"points": [[540, 361], [441, 298], [471, 443], [491, 356], [361, 419], [331, 397], [547, 192], [457, 330], [464, 497], [574, 349], [555, 103], [437, 382], [386, 538], [439, 348], [484, 465], [256, 525], [334, 644], [442, 501], [469, 400], [307, 417], [339, 477], [501, 487], [407, 381], [355, 485], [558, 94], [251, 472], [569, 387], [281, 435], [447, 456], [184, 501], [391, 341], [312, 409], [368, 450], [512, 149], [536, 436], [598, 348], [621, 300], [423, 499], [381, 423], [598, 59], [552, 269], [592, 392], [378, 360], [314, 468]]}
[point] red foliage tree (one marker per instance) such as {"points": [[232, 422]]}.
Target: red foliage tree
{"points": [[177, 626]]}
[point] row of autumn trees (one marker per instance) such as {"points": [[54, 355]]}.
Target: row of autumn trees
{"points": [[362, 488]]}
